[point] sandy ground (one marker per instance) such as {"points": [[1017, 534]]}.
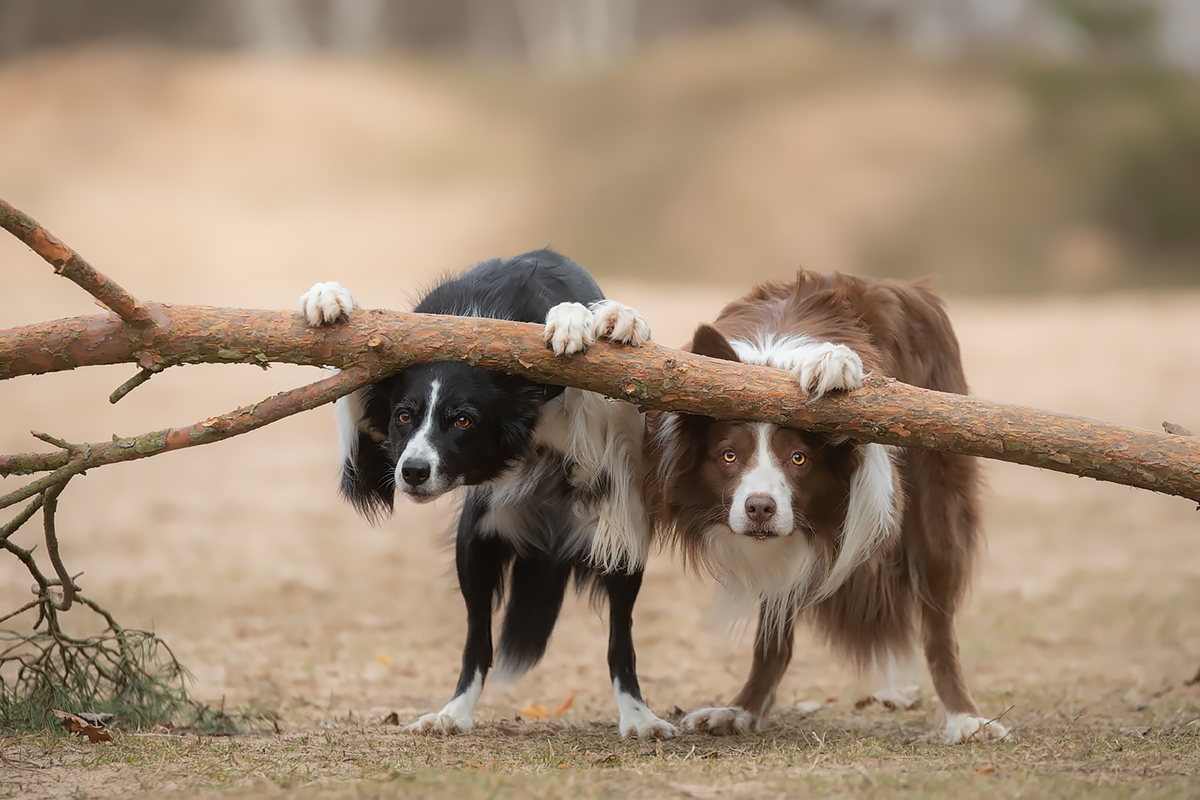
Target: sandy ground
{"points": [[277, 597]]}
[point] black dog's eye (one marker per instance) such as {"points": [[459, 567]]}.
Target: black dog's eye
{"points": [[462, 421], [403, 417]]}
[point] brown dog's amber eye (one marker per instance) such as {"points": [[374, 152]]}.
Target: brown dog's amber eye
{"points": [[462, 421], [729, 456], [798, 458], [404, 417]]}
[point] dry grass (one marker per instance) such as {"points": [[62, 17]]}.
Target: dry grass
{"points": [[836, 754]]}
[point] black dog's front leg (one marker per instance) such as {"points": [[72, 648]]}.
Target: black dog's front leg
{"points": [[480, 561], [636, 719]]}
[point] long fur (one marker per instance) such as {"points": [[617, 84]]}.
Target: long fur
{"points": [[880, 544], [553, 477]]}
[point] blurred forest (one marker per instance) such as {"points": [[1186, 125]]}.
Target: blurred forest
{"points": [[1003, 145]]}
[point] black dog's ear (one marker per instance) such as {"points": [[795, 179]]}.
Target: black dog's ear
{"points": [[368, 479], [522, 404], [368, 474], [708, 341]]}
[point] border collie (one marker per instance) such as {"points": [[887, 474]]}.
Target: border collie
{"points": [[547, 470], [874, 545]]}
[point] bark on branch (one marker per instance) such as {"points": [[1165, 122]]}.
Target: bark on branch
{"points": [[374, 343]]}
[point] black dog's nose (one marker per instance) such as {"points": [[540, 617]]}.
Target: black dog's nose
{"points": [[415, 472], [760, 507]]}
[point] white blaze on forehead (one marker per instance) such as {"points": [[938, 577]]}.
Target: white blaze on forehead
{"points": [[764, 475], [420, 446]]}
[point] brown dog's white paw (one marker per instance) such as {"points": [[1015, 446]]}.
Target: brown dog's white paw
{"points": [[619, 323], [720, 721], [828, 366], [968, 728]]}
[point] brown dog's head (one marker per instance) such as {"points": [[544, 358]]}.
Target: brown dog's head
{"points": [[724, 487]]}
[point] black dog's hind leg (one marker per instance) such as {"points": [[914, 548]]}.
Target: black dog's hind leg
{"points": [[636, 719], [480, 561], [536, 587]]}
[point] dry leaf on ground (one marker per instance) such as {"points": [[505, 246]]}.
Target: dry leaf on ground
{"points": [[534, 711], [566, 705], [76, 724]]}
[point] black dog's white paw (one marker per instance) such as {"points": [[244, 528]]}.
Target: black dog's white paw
{"points": [[574, 327], [326, 303]]}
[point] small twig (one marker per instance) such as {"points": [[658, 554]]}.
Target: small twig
{"points": [[20, 519], [214, 429], [68, 263], [112, 623], [19, 612], [1072, 725], [26, 558], [996, 718], [49, 507], [128, 386], [41, 484], [48, 439]]}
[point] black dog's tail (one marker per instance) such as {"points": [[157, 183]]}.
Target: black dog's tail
{"points": [[536, 587]]}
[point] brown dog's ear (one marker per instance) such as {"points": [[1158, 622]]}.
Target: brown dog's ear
{"points": [[708, 341]]}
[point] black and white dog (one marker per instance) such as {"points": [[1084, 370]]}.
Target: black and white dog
{"points": [[549, 471]]}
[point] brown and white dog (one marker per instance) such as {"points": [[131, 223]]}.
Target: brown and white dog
{"points": [[873, 544]]}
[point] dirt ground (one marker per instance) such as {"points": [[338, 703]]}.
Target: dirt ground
{"points": [[1085, 616]]}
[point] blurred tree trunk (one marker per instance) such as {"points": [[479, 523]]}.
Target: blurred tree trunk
{"points": [[569, 34], [1179, 34], [355, 26], [275, 26], [16, 26]]}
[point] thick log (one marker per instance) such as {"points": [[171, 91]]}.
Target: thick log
{"points": [[375, 342]]}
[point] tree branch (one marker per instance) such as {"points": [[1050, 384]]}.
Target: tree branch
{"points": [[70, 264], [651, 376], [78, 458], [375, 343]]}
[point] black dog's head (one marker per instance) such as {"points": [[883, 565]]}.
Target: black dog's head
{"points": [[432, 428]]}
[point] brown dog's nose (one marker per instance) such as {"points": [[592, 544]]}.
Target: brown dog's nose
{"points": [[760, 507]]}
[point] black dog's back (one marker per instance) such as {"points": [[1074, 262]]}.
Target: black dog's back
{"points": [[520, 289]]}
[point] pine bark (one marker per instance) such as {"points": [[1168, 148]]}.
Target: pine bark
{"points": [[375, 342]]}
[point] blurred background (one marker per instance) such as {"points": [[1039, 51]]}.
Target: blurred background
{"points": [[1039, 158], [1011, 146]]}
